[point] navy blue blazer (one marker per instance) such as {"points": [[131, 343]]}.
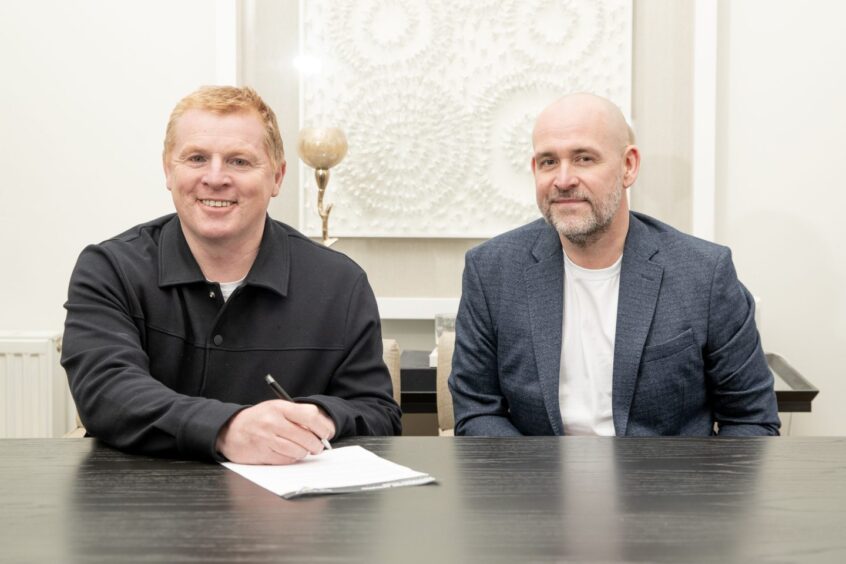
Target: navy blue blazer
{"points": [[687, 353]]}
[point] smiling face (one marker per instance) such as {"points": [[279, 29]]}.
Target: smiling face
{"points": [[221, 178], [582, 163]]}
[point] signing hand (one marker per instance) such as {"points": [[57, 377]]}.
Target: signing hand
{"points": [[274, 432]]}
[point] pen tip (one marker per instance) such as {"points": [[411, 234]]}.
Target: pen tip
{"points": [[268, 379]]}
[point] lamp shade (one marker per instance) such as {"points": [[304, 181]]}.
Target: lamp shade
{"points": [[322, 147]]}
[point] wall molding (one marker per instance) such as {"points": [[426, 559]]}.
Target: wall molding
{"points": [[416, 308], [226, 42], [704, 175]]}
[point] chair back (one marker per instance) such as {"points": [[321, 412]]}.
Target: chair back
{"points": [[446, 419], [391, 354]]}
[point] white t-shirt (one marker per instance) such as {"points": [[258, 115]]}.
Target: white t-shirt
{"points": [[587, 348], [226, 288]]}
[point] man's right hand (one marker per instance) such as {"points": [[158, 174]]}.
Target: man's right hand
{"points": [[274, 432]]}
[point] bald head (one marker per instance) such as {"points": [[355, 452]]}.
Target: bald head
{"points": [[584, 159], [584, 108]]}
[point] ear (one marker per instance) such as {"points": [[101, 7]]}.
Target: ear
{"points": [[631, 165], [166, 171], [534, 165], [277, 178]]}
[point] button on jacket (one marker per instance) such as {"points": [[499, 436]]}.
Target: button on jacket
{"points": [[158, 362]]}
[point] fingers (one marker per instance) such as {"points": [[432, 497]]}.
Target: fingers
{"points": [[292, 439], [248, 438], [310, 417], [274, 432]]}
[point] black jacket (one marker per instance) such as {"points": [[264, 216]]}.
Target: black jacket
{"points": [[158, 363]]}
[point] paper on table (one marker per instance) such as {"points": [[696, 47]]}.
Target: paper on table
{"points": [[340, 470]]}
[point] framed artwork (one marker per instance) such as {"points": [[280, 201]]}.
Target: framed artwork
{"points": [[438, 99]]}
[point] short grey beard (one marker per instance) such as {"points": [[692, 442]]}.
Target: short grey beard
{"points": [[596, 228], [582, 238]]}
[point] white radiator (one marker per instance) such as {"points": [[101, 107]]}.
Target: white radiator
{"points": [[34, 396]]}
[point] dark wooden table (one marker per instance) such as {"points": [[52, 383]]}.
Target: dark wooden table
{"points": [[793, 392], [497, 500]]}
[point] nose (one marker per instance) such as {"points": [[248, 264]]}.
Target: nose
{"points": [[216, 175], [565, 177]]}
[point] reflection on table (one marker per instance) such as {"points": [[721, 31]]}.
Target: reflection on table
{"points": [[544, 499]]}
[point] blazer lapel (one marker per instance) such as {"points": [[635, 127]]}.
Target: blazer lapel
{"points": [[545, 288], [640, 282]]}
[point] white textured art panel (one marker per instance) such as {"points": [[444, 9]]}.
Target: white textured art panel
{"points": [[438, 98]]}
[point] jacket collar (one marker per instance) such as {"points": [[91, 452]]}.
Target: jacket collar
{"points": [[640, 283], [548, 243], [270, 270], [544, 282]]}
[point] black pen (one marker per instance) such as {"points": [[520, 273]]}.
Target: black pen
{"points": [[282, 394]]}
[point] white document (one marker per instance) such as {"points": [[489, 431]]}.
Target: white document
{"points": [[340, 470]]}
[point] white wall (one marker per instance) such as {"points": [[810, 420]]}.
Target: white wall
{"points": [[781, 129], [87, 89], [88, 85]]}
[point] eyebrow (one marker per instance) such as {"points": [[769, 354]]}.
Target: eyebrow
{"points": [[591, 150], [243, 150], [191, 149], [543, 155], [573, 151]]}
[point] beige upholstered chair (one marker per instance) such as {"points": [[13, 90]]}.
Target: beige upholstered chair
{"points": [[446, 420], [76, 433], [391, 355]]}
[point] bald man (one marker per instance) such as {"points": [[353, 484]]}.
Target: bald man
{"points": [[596, 320]]}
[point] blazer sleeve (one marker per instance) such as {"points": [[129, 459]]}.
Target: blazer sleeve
{"points": [[478, 403], [359, 398], [744, 401], [118, 399]]}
